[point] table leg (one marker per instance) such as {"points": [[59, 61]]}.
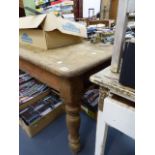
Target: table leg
{"points": [[71, 91]]}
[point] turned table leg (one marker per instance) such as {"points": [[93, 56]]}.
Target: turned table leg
{"points": [[73, 124], [71, 91]]}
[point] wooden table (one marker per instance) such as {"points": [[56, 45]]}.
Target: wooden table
{"points": [[67, 70], [116, 107]]}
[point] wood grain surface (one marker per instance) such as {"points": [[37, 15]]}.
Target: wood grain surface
{"points": [[68, 61]]}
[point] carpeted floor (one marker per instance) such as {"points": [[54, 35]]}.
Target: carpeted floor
{"points": [[53, 140]]}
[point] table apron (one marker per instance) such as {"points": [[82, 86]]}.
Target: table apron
{"points": [[42, 75]]}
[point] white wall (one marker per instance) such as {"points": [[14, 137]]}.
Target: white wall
{"points": [[90, 4]]}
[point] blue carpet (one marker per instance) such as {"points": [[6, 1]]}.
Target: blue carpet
{"points": [[53, 140]]}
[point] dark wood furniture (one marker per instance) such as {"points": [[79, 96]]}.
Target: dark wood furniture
{"points": [[78, 9]]}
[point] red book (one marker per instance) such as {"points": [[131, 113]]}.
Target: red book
{"points": [[58, 2]]}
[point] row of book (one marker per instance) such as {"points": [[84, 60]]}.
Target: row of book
{"points": [[36, 111], [29, 88], [24, 77], [64, 8], [38, 99], [90, 101]]}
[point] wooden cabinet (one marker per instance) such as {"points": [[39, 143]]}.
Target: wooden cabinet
{"points": [[78, 9]]}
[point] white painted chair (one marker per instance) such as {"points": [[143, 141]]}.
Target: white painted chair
{"points": [[118, 115], [113, 112]]}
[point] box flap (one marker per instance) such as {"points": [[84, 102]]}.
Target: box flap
{"points": [[72, 28], [31, 21], [65, 26], [51, 22]]}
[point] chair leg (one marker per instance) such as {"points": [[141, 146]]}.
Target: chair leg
{"points": [[101, 134]]}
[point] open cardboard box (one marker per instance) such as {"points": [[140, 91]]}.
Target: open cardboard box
{"points": [[46, 31], [39, 125], [35, 128]]}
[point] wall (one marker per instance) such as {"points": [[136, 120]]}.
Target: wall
{"points": [[90, 4]]}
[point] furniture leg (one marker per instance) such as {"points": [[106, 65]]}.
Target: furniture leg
{"points": [[71, 90], [73, 125], [101, 135], [102, 127], [103, 94]]}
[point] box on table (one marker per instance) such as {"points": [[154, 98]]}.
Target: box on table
{"points": [[44, 121], [46, 31]]}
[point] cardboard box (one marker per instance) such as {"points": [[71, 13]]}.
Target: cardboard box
{"points": [[89, 112], [46, 31], [35, 128], [39, 125]]}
